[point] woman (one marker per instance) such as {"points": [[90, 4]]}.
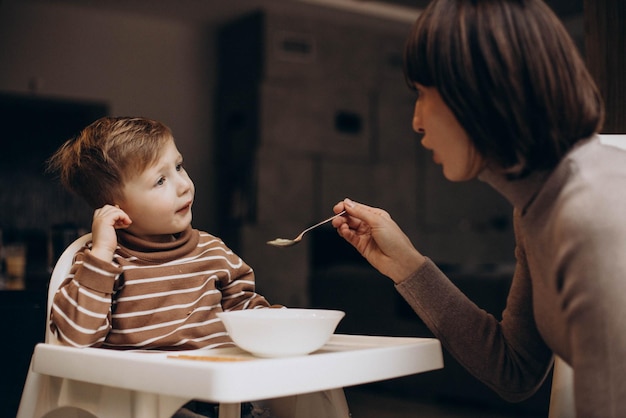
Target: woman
{"points": [[504, 96]]}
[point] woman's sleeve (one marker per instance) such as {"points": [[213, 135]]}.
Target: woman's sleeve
{"points": [[508, 356], [81, 308]]}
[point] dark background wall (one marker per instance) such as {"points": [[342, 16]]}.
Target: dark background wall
{"points": [[161, 60]]}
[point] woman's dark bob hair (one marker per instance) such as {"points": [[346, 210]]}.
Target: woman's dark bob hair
{"points": [[511, 75]]}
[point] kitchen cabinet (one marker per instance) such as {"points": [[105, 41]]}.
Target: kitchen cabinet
{"points": [[297, 132], [313, 107]]}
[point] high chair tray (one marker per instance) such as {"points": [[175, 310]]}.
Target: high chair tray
{"points": [[231, 375]]}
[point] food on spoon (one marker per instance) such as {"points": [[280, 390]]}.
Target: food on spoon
{"points": [[280, 242]]}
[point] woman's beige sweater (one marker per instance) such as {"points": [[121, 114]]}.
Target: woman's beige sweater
{"points": [[568, 294]]}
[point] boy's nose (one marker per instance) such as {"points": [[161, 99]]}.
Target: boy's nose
{"points": [[184, 184]]}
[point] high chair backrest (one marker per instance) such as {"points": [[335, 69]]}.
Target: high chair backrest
{"points": [[59, 274], [617, 140], [562, 391]]}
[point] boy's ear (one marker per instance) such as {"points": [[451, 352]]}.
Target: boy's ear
{"points": [[118, 199]]}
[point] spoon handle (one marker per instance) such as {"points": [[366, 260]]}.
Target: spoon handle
{"points": [[322, 222]]}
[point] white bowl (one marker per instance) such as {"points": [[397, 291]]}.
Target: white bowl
{"points": [[283, 332]]}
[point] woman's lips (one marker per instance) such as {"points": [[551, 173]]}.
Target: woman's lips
{"points": [[424, 141], [435, 157]]}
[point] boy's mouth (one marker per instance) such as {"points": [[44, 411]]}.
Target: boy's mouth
{"points": [[184, 208]]}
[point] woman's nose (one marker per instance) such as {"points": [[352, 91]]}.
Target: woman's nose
{"points": [[416, 126], [417, 120]]}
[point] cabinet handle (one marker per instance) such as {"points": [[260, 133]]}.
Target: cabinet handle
{"points": [[348, 122]]}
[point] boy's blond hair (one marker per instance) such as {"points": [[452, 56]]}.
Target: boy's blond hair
{"points": [[111, 150]]}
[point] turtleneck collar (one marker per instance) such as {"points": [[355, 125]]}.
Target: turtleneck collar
{"points": [[519, 192], [183, 243], [522, 192]]}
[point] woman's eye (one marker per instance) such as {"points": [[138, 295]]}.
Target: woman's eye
{"points": [[417, 89], [179, 167], [160, 181]]}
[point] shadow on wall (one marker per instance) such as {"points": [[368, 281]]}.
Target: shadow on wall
{"points": [[34, 208], [37, 212]]}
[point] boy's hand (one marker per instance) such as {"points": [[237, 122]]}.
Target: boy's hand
{"points": [[105, 221]]}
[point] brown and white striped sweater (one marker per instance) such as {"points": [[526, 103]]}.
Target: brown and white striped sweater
{"points": [[153, 295]]}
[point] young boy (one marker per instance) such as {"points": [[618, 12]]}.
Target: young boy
{"points": [[147, 280]]}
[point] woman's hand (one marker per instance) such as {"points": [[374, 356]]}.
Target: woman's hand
{"points": [[105, 221], [378, 238]]}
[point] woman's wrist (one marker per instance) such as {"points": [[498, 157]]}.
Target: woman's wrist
{"points": [[408, 267]]}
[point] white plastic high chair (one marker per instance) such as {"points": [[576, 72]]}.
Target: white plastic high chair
{"points": [[83, 396], [616, 140], [562, 392], [51, 396]]}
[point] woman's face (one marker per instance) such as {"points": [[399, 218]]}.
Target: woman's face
{"points": [[445, 137]]}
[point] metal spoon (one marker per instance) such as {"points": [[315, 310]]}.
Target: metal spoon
{"points": [[284, 242]]}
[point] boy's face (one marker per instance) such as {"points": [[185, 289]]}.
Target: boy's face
{"points": [[158, 200]]}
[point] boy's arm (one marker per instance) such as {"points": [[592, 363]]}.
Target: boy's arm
{"points": [[240, 293], [81, 309]]}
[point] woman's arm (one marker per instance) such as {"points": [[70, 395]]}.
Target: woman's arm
{"points": [[509, 355]]}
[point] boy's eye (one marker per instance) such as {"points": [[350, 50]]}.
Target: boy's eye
{"points": [[160, 181]]}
